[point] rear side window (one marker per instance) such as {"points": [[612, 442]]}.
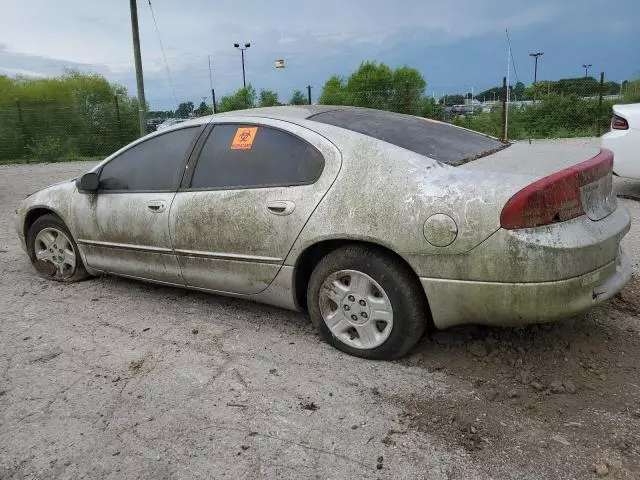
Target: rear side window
{"points": [[440, 141], [155, 164], [245, 156]]}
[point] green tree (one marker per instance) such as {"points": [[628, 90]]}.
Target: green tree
{"points": [[242, 99], [70, 116], [518, 90], [450, 100], [161, 114], [408, 91], [185, 109], [429, 108], [376, 85], [371, 86], [268, 98], [298, 98], [203, 109], [334, 92]]}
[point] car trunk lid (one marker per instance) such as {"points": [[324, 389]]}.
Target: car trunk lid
{"points": [[531, 166]]}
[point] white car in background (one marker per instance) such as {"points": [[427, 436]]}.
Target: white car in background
{"points": [[624, 140]]}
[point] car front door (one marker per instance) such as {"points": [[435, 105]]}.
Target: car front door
{"points": [[124, 227], [245, 201]]}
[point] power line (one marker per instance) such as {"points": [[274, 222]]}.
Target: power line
{"points": [[513, 62], [164, 56]]}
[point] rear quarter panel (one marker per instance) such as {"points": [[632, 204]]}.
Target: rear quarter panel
{"points": [[625, 145], [384, 194]]}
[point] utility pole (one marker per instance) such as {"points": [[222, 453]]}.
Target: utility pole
{"points": [[586, 68], [535, 68], [142, 103], [505, 106], [600, 93], [115, 98], [213, 93], [309, 87]]}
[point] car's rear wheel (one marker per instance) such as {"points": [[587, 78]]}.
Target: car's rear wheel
{"points": [[53, 252], [367, 303]]}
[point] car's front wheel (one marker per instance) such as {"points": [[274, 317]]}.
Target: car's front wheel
{"points": [[53, 252], [367, 303]]}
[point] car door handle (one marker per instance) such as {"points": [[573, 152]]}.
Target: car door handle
{"points": [[157, 206], [281, 207]]}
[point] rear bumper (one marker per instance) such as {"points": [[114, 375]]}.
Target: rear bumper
{"points": [[456, 302]]}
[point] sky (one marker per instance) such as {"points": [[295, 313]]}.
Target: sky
{"points": [[457, 45]]}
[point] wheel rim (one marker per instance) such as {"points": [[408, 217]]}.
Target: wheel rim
{"points": [[356, 309], [54, 247]]}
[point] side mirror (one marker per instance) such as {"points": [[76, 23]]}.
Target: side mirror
{"points": [[89, 182]]}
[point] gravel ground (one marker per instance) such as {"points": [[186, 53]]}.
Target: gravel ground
{"points": [[112, 378]]}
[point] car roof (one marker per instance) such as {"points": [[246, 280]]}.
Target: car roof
{"points": [[434, 139], [291, 113]]}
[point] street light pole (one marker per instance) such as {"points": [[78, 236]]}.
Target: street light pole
{"points": [[586, 68], [535, 68], [242, 49]]}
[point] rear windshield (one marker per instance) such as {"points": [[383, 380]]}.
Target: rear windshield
{"points": [[440, 141]]}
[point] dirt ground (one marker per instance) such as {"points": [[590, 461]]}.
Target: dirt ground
{"points": [[112, 378]]}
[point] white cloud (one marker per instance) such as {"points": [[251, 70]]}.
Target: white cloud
{"points": [[20, 71]]}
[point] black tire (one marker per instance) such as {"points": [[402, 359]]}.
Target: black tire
{"points": [[410, 309], [46, 269]]}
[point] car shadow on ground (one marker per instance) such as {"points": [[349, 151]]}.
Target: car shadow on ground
{"points": [[223, 307], [627, 188], [572, 384]]}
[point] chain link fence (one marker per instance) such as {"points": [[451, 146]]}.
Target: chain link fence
{"points": [[578, 107], [38, 130], [74, 116], [95, 123]]}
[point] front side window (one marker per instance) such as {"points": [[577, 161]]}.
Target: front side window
{"points": [[245, 156], [155, 164]]}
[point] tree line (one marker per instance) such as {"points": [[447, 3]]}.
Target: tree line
{"points": [[241, 99], [581, 87]]}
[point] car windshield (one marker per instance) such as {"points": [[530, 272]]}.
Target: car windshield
{"points": [[439, 141]]}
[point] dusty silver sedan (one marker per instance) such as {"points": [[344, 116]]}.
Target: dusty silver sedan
{"points": [[379, 224]]}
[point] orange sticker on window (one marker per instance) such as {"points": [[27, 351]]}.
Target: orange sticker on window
{"points": [[244, 138]]}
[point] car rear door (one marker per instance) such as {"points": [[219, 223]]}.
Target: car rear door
{"points": [[248, 195], [124, 227]]}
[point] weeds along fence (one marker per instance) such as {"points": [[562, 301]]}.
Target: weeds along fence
{"points": [[581, 108], [35, 129]]}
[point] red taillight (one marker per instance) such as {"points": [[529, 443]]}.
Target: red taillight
{"points": [[555, 198], [619, 123]]}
